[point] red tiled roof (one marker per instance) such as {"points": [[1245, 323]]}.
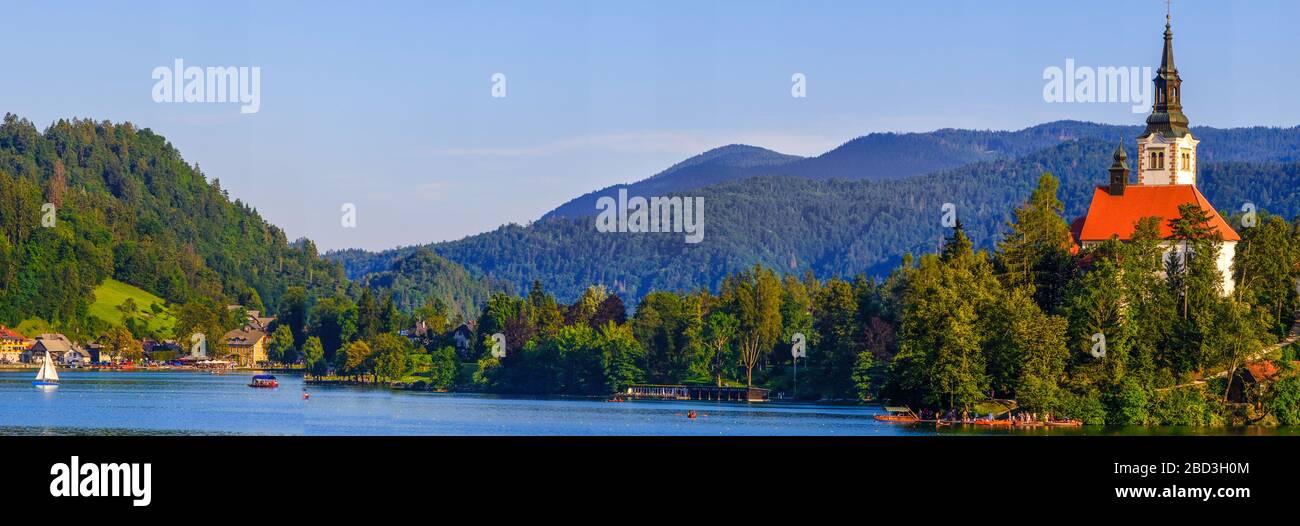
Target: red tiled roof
{"points": [[6, 332], [1117, 215], [1262, 370]]}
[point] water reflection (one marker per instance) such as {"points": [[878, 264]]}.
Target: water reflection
{"points": [[185, 403]]}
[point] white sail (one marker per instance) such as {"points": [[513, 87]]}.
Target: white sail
{"points": [[47, 372]]}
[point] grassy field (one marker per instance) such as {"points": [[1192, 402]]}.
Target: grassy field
{"points": [[32, 326], [111, 293]]}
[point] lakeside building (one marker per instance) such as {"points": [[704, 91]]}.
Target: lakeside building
{"points": [[246, 345], [463, 337], [62, 350], [13, 345], [1166, 179]]}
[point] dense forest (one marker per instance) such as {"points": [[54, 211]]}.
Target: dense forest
{"points": [[1113, 334], [122, 203]]}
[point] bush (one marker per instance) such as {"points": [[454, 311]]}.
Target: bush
{"points": [[1284, 401], [1183, 407], [1082, 406], [1128, 404]]}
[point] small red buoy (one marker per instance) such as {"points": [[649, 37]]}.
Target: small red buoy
{"points": [[305, 396]]}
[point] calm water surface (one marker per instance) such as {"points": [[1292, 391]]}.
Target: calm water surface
{"points": [[159, 403]]}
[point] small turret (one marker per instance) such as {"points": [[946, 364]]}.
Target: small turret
{"points": [[1119, 172]]}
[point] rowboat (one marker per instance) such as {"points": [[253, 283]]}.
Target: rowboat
{"points": [[991, 422], [901, 415], [1065, 423]]}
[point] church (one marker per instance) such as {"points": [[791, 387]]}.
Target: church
{"points": [[1166, 177]]}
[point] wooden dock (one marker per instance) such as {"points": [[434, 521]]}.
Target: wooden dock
{"points": [[696, 392]]}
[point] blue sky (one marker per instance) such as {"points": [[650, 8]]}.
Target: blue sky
{"points": [[388, 105]]}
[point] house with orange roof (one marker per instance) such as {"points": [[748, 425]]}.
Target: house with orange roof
{"points": [[1166, 178], [12, 345]]}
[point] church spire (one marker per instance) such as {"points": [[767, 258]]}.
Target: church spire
{"points": [[1167, 112]]}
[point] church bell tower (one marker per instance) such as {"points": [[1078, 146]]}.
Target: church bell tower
{"points": [[1167, 149]]}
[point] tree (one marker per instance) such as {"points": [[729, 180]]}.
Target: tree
{"points": [[128, 308], [442, 368], [1035, 252], [754, 296], [280, 347], [839, 341], [1036, 352], [293, 313], [334, 321], [944, 328], [390, 357], [542, 311], [1266, 267], [719, 331], [355, 359], [201, 320], [1234, 337], [862, 378], [1097, 309], [620, 355], [368, 316], [313, 356], [668, 327], [119, 342]]}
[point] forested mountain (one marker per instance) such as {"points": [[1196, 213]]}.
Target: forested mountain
{"points": [[881, 156], [835, 226], [127, 206], [419, 276]]}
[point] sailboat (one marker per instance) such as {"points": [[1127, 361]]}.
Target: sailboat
{"points": [[47, 376]]}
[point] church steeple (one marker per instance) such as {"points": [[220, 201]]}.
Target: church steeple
{"points": [[1167, 112]]}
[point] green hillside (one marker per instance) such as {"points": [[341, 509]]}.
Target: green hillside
{"points": [[112, 294]]}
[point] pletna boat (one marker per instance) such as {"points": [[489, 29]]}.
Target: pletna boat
{"points": [[991, 422], [264, 380], [898, 415], [47, 376]]}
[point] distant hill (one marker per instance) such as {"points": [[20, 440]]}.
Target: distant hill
{"points": [[714, 166], [881, 156], [793, 216], [421, 275]]}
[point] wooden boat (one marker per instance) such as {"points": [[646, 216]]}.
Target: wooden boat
{"points": [[1065, 423], [48, 376], [264, 380], [900, 415], [991, 422]]}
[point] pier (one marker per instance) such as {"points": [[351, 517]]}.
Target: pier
{"points": [[696, 392]]}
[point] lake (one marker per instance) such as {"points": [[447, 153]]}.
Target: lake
{"points": [[191, 403]]}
